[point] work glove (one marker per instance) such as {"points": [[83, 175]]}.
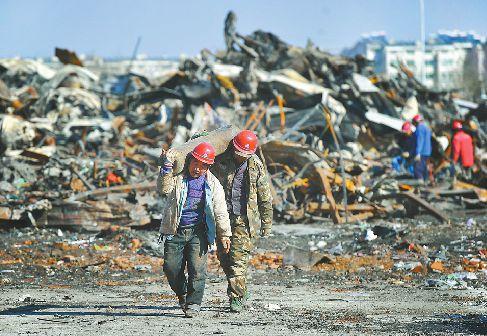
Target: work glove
{"points": [[169, 158], [264, 233], [168, 161], [405, 155], [226, 244], [417, 157]]}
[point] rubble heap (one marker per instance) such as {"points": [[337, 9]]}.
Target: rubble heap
{"points": [[81, 149]]}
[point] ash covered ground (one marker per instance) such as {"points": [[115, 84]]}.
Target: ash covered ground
{"points": [[419, 277]]}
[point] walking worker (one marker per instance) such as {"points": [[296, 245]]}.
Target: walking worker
{"points": [[422, 136], [462, 148], [193, 219], [249, 204]]}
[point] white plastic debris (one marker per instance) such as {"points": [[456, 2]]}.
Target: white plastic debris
{"points": [[369, 235], [321, 244], [144, 267], [272, 306]]}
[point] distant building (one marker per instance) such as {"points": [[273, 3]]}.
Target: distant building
{"points": [[368, 45], [449, 59]]}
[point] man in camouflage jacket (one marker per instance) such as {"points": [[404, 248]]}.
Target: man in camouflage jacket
{"points": [[249, 202]]}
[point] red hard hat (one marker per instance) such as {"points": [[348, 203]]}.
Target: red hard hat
{"points": [[457, 125], [417, 118], [406, 127], [245, 142], [204, 152]]}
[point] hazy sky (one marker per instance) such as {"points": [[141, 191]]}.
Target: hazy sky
{"points": [[33, 28]]}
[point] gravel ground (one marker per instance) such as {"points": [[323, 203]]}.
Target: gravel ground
{"points": [[49, 288]]}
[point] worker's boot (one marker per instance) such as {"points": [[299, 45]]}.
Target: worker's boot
{"points": [[236, 304]]}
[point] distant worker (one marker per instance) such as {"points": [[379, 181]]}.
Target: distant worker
{"points": [[404, 161], [193, 219], [422, 137], [462, 144], [249, 204]]}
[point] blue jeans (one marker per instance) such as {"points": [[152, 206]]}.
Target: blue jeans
{"points": [[401, 165], [187, 249]]}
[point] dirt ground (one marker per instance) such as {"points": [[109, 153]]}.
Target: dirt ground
{"points": [[308, 308], [113, 284]]}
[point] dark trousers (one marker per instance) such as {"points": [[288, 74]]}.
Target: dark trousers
{"points": [[187, 249], [421, 168]]}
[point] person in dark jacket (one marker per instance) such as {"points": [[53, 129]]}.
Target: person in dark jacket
{"points": [[404, 161]]}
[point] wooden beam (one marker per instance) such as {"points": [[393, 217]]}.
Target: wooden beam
{"points": [[253, 115], [419, 201], [261, 115], [481, 193], [123, 188], [359, 217], [335, 214], [315, 206]]}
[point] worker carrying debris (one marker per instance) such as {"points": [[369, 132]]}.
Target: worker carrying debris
{"points": [[249, 204], [194, 215], [407, 145], [422, 136], [462, 148]]}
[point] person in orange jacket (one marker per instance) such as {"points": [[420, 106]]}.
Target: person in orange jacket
{"points": [[462, 149]]}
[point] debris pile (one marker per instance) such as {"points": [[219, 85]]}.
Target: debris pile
{"points": [[80, 148]]}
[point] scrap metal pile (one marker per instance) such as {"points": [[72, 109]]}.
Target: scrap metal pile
{"points": [[79, 148]]}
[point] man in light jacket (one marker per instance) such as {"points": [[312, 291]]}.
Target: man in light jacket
{"points": [[194, 218]]}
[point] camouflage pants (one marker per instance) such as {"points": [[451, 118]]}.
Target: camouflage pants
{"points": [[235, 262]]}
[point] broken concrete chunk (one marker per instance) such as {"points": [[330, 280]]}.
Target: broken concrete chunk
{"points": [[295, 256]]}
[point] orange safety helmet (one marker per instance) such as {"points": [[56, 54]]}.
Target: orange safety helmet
{"points": [[457, 125], [245, 142], [406, 127], [204, 152]]}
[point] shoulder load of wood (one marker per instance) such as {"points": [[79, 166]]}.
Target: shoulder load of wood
{"points": [[220, 138]]}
